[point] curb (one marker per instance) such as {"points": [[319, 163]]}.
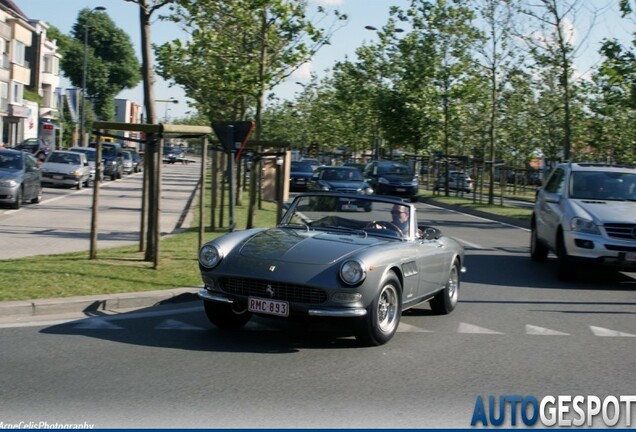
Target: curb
{"points": [[92, 303]]}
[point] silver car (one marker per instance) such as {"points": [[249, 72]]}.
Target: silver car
{"points": [[66, 168], [586, 214], [91, 154], [19, 178], [360, 258]]}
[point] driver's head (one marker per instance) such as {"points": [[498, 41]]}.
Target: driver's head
{"points": [[399, 214]]}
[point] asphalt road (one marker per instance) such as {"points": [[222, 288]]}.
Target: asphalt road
{"points": [[517, 330], [61, 222]]}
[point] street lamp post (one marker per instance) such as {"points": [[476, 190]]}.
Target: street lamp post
{"points": [[167, 101], [83, 106]]}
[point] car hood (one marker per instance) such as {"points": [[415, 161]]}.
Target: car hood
{"points": [[300, 174], [304, 247], [9, 174], [608, 211], [59, 167]]}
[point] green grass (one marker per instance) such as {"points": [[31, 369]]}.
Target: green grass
{"points": [[123, 269], [466, 202], [117, 270]]}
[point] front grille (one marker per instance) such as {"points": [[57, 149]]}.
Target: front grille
{"points": [[347, 191], [621, 231], [282, 291], [620, 248]]}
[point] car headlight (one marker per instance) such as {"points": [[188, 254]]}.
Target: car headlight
{"points": [[352, 272], [368, 191], [383, 180], [578, 224], [210, 256], [415, 181], [8, 183]]}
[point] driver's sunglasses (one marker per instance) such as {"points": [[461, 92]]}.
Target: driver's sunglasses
{"points": [[398, 212]]}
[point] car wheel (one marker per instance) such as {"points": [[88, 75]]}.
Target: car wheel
{"points": [[79, 184], [113, 177], [226, 316], [18, 200], [383, 315], [538, 250], [38, 196], [565, 267], [445, 301]]}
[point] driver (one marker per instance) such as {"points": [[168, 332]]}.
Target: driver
{"points": [[400, 218]]}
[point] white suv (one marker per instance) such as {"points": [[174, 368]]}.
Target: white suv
{"points": [[586, 214]]}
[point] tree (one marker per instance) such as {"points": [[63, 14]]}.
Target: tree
{"points": [[111, 67]]}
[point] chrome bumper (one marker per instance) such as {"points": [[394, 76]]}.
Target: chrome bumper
{"points": [[334, 313]]}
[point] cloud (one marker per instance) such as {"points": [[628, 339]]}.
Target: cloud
{"points": [[303, 73]]}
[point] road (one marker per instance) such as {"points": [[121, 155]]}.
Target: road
{"points": [[517, 330], [61, 222]]}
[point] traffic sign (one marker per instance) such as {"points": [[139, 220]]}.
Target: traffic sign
{"points": [[233, 135]]}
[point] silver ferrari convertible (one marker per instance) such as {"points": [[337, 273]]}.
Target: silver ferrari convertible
{"points": [[360, 258]]}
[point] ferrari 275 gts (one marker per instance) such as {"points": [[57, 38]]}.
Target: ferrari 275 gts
{"points": [[359, 257]]}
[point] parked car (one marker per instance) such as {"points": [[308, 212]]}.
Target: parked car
{"points": [[457, 180], [392, 178], [339, 179], [112, 159], [173, 154], [299, 175], [128, 165], [329, 258], [586, 214], [66, 168], [137, 161], [90, 157], [35, 146], [19, 178]]}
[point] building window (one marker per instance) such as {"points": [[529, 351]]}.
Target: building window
{"points": [[4, 96], [47, 97], [50, 65], [18, 93], [19, 53]]}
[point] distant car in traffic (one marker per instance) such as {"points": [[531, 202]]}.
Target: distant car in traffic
{"points": [[457, 180], [112, 159], [128, 165], [66, 168], [299, 175], [35, 146], [393, 178], [19, 178], [90, 156], [339, 179]]}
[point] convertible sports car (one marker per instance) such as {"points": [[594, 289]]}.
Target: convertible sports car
{"points": [[363, 258]]}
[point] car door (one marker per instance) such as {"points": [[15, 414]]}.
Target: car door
{"points": [[433, 260], [31, 177], [548, 214]]}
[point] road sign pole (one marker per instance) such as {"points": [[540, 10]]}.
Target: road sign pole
{"points": [[230, 174]]}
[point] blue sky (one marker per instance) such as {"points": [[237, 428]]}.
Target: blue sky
{"points": [[63, 13]]}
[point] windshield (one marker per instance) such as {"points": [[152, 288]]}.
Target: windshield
{"points": [[344, 175], [301, 167], [395, 169], [64, 158], [11, 161], [603, 185], [364, 216], [90, 154]]}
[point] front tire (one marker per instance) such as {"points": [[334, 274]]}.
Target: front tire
{"points": [[18, 200], [565, 268], [446, 300], [538, 250], [38, 196], [226, 316], [383, 315]]}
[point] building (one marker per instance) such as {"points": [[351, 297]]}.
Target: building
{"points": [[16, 36], [127, 111]]}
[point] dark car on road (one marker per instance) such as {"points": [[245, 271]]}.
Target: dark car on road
{"points": [[392, 178], [339, 179], [19, 178], [299, 175], [112, 159], [35, 146]]}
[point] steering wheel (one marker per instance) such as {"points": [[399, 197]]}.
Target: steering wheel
{"points": [[385, 225]]}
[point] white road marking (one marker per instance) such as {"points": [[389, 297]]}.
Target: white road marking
{"points": [[408, 328], [600, 331], [536, 330], [470, 328]]}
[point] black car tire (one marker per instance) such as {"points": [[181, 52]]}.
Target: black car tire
{"points": [[446, 300], [18, 200], [113, 177], [224, 315], [538, 250], [383, 314], [565, 268]]}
